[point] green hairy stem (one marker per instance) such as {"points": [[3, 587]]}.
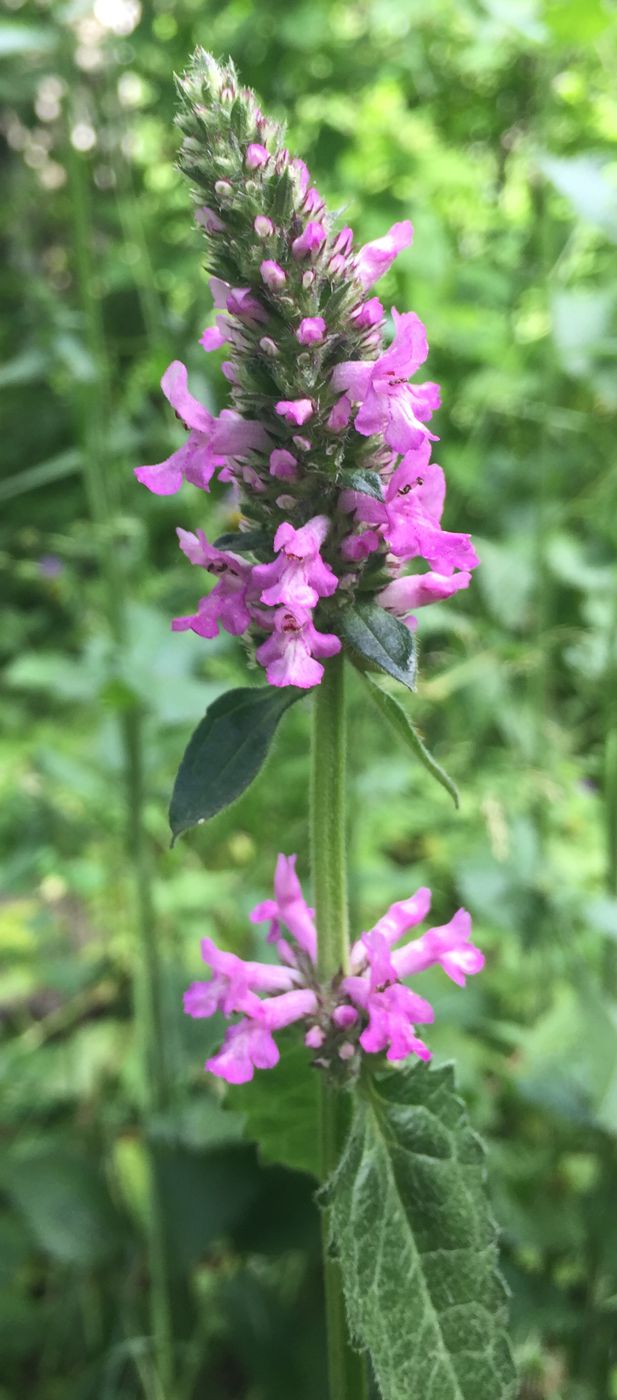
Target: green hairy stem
{"points": [[346, 1368]]}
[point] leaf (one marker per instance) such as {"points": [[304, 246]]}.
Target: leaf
{"points": [[244, 541], [400, 722], [411, 1226], [226, 752], [382, 640], [280, 1110], [368, 483], [67, 1207]]}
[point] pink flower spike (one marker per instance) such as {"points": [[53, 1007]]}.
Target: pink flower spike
{"points": [[283, 464], [296, 411], [256, 156], [311, 330], [310, 241], [272, 274], [247, 1046], [375, 258]]}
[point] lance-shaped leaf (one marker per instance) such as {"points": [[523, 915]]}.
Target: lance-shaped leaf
{"points": [[396, 716], [379, 639], [411, 1226], [226, 752]]}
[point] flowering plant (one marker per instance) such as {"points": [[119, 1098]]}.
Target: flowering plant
{"points": [[326, 449]]}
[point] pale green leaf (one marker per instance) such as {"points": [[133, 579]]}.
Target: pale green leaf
{"points": [[400, 722]]}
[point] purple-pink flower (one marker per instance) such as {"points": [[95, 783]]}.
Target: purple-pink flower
{"points": [[388, 404], [368, 1009], [228, 605], [196, 461], [289, 654], [296, 411], [311, 330], [375, 258], [298, 578]]}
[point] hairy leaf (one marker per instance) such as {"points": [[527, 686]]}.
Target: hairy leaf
{"points": [[367, 482], [396, 716], [411, 1226], [380, 639], [226, 752]]}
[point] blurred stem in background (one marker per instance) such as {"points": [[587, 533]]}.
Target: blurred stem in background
{"points": [[346, 1369], [94, 409]]}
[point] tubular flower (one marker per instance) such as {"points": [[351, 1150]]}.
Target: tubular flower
{"points": [[325, 418], [370, 1009]]}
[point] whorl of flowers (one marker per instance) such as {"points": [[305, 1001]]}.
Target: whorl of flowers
{"points": [[370, 1009], [326, 442]]}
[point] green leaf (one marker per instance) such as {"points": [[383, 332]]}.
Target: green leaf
{"points": [[379, 638], [416, 1242], [281, 1111], [65, 1202], [244, 541], [365, 481], [400, 722], [226, 752]]}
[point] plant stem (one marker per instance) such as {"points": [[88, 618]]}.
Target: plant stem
{"points": [[346, 1369], [94, 406]]}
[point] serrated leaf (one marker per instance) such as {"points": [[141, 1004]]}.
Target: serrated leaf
{"points": [[395, 715], [380, 639], [281, 1111], [416, 1242], [368, 483], [226, 752]]}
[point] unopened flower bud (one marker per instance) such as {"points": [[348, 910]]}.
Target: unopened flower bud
{"points": [[310, 241], [311, 330], [263, 226], [273, 274], [256, 156], [224, 189], [269, 346]]}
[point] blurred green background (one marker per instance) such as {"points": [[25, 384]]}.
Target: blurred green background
{"points": [[132, 1198]]}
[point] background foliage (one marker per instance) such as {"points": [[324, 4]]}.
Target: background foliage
{"points": [[493, 126]]}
